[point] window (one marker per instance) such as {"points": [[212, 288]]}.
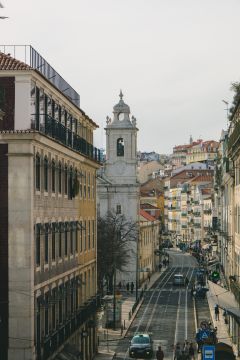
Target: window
{"points": [[89, 234], [85, 235], [81, 236], [118, 209], [66, 180], [46, 244], [46, 173], [53, 175], [60, 312], [80, 185], [120, 147], [2, 96], [60, 177], [53, 308], [93, 234], [70, 184], [76, 236], [46, 314], [53, 242], [71, 238], [38, 243], [38, 172], [84, 186], [66, 239], [93, 186], [60, 240], [89, 183]]}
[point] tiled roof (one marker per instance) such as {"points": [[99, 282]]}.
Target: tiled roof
{"points": [[201, 178], [9, 63], [146, 215]]}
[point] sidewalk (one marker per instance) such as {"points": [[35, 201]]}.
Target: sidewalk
{"points": [[222, 330], [107, 336]]}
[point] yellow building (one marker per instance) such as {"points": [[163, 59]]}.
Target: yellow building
{"points": [[148, 244]]}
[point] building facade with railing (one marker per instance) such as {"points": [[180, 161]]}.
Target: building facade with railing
{"points": [[48, 170]]}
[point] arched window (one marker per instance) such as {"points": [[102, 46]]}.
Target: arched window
{"points": [[46, 173], [60, 177], [120, 147], [53, 176], [38, 172]]}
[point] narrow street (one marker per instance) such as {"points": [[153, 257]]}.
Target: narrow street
{"points": [[168, 312]]}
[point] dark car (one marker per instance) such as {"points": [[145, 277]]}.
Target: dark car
{"points": [[141, 347]]}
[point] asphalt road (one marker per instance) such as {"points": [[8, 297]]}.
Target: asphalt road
{"points": [[167, 312]]}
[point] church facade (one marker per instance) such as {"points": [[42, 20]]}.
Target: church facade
{"points": [[118, 188]]}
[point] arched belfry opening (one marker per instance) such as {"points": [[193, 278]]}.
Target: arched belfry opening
{"points": [[120, 147]]}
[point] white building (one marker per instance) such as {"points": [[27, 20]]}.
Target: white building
{"points": [[118, 188]]}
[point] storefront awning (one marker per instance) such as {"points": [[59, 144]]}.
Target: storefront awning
{"points": [[224, 298]]}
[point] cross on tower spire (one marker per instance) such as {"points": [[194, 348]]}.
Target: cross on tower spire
{"points": [[121, 95]]}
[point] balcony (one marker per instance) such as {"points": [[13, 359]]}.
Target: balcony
{"points": [[55, 339], [65, 136], [197, 225], [197, 213], [234, 138], [235, 288]]}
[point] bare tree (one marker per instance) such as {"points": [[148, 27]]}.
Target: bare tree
{"points": [[115, 234]]}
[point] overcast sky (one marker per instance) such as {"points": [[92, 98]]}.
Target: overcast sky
{"points": [[173, 59]]}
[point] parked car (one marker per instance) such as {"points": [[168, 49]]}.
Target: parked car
{"points": [[141, 347], [178, 279]]}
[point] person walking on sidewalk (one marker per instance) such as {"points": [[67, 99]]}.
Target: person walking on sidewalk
{"points": [[177, 352], [159, 354], [216, 311], [132, 287], [160, 267], [191, 352], [127, 286]]}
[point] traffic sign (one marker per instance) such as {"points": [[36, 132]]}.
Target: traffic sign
{"points": [[208, 352], [204, 335]]}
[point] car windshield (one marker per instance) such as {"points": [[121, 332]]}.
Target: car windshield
{"points": [[141, 340]]}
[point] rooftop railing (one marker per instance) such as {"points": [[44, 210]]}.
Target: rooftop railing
{"points": [[28, 55]]}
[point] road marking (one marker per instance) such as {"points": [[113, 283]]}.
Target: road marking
{"points": [[177, 319]]}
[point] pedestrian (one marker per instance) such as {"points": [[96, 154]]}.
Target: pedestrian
{"points": [[160, 267], [182, 356], [127, 286], [149, 277], [119, 285], [132, 287], [186, 347], [159, 354], [216, 311], [191, 352], [177, 352], [164, 262], [186, 281], [192, 291]]}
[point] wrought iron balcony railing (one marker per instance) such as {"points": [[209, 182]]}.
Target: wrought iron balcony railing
{"points": [[61, 133], [53, 341]]}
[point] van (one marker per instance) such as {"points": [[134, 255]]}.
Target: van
{"points": [[178, 279]]}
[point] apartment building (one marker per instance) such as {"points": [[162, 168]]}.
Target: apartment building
{"points": [[148, 257], [48, 170], [202, 151]]}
